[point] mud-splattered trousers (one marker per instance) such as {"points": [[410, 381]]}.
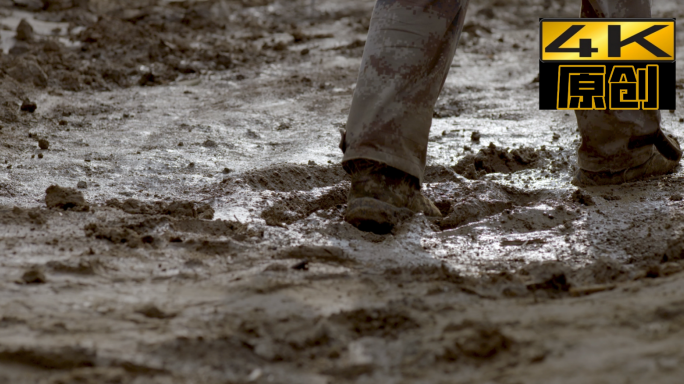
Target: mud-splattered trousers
{"points": [[409, 50]]}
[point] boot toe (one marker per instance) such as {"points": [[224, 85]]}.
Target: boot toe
{"points": [[373, 215]]}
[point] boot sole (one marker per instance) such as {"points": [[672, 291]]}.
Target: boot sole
{"points": [[372, 215]]}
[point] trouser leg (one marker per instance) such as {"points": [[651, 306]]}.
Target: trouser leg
{"points": [[409, 50], [605, 134]]}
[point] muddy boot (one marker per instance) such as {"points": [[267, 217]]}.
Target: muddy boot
{"points": [[658, 164], [381, 196]]}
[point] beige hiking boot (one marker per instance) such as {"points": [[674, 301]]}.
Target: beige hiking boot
{"points": [[381, 196], [656, 165]]}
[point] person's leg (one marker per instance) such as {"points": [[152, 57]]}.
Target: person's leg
{"points": [[608, 137], [409, 50]]}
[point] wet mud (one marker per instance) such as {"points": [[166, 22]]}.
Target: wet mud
{"points": [[496, 160], [172, 199]]}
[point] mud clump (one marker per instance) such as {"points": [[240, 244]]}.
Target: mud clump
{"points": [[215, 247], [153, 312], [24, 31], [134, 206], [205, 212], [674, 251], [552, 277], [301, 266], [179, 209], [18, 216], [7, 111], [26, 70], [475, 340], [581, 197], [378, 322], [30, 107], [148, 79], [34, 276], [224, 351], [62, 5], [210, 228], [117, 235], [67, 199], [671, 312], [59, 358], [209, 144], [97, 375], [428, 272], [496, 160], [318, 253], [81, 266], [43, 144], [602, 271], [36, 217]]}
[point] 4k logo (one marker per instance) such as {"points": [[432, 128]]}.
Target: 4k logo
{"points": [[617, 64], [607, 40]]}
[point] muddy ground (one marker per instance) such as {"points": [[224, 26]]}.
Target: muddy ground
{"points": [[171, 203]]}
